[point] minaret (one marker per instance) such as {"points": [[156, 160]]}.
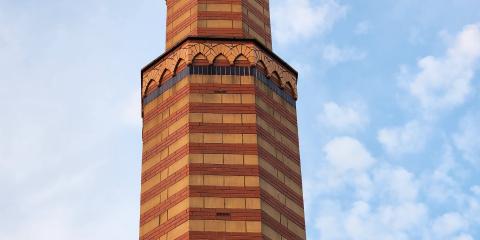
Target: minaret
{"points": [[220, 139]]}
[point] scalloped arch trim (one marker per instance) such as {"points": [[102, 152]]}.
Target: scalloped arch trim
{"points": [[231, 51]]}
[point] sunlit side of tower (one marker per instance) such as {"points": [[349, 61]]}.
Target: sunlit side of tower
{"points": [[220, 139]]}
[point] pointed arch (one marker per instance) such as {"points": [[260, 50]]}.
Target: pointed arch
{"points": [[200, 59], [241, 60], [167, 74], [275, 77], [221, 60], [291, 89], [151, 86], [262, 67], [220, 49], [181, 64]]}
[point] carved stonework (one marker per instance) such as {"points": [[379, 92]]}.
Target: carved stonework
{"points": [[188, 51]]}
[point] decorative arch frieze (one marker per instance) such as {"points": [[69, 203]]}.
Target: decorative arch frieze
{"points": [[200, 58], [290, 79], [262, 66], [290, 87], [221, 59], [165, 75], [189, 50], [152, 84], [241, 60], [277, 79], [179, 65]]}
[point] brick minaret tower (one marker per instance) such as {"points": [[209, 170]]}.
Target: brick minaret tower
{"points": [[220, 140]]}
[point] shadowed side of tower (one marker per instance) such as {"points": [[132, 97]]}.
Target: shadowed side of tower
{"points": [[220, 139]]}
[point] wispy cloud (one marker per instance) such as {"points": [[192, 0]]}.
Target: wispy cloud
{"points": [[448, 225], [409, 138], [297, 20], [467, 138], [362, 28], [343, 118], [335, 55]]}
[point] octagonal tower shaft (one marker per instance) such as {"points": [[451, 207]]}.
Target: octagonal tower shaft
{"points": [[220, 155], [218, 18]]}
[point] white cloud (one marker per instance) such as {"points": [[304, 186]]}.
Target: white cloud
{"points": [[330, 221], [301, 19], [467, 138], [405, 139], [396, 182], [448, 225], [476, 190], [370, 199], [392, 212], [346, 118], [440, 184], [335, 55], [347, 154], [396, 210], [345, 164], [374, 200], [463, 237], [363, 221], [404, 216], [445, 82], [362, 28], [349, 164]]}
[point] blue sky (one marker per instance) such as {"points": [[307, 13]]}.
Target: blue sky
{"points": [[388, 114]]}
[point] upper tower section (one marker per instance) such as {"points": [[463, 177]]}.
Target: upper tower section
{"points": [[218, 18]]}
